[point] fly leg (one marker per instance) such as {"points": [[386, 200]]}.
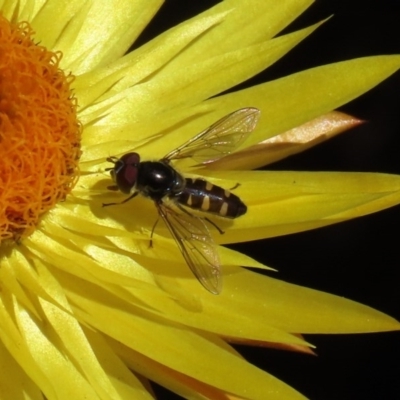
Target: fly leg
{"points": [[215, 225], [152, 232], [123, 201]]}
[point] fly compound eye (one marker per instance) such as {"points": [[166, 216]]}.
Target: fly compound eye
{"points": [[126, 172], [131, 158]]}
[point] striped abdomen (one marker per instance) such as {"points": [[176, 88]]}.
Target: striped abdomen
{"points": [[202, 195]]}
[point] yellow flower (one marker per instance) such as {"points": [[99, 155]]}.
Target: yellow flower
{"points": [[87, 309]]}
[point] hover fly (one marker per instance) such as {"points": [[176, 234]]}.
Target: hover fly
{"points": [[173, 194]]}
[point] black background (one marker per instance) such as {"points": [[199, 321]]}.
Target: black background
{"points": [[358, 259]]}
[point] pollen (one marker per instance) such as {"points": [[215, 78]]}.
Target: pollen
{"points": [[39, 131]]}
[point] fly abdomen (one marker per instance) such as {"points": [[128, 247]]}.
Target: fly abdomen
{"points": [[202, 195]]}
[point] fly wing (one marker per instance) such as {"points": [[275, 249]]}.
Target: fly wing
{"points": [[220, 139], [196, 245]]}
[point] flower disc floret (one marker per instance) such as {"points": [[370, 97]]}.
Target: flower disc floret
{"points": [[39, 131]]}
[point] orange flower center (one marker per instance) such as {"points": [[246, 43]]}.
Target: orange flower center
{"points": [[39, 131]]}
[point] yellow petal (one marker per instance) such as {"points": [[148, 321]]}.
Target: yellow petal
{"points": [[259, 21], [180, 383], [288, 143], [9, 274], [14, 382], [127, 385], [167, 88], [295, 308], [21, 10], [139, 65], [249, 22], [92, 33], [296, 99], [282, 103], [256, 307], [281, 202], [89, 268], [210, 76], [165, 248], [33, 343], [178, 348], [271, 345]]}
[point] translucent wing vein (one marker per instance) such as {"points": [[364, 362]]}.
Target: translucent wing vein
{"points": [[196, 245], [219, 139]]}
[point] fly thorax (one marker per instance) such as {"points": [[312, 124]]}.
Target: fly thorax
{"points": [[179, 184], [157, 179]]}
